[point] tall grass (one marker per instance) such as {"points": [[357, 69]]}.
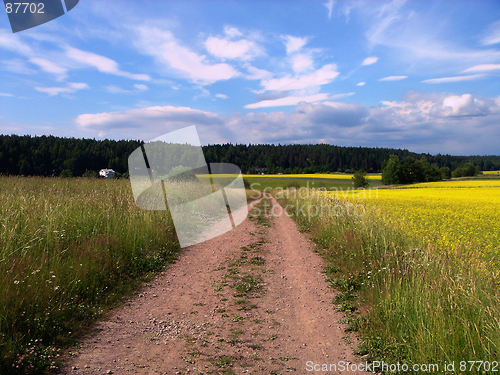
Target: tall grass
{"points": [[419, 303], [69, 249]]}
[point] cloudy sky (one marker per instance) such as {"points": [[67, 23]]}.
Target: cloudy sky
{"points": [[422, 75]]}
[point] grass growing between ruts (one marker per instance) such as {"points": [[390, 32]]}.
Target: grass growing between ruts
{"points": [[70, 248], [419, 303]]}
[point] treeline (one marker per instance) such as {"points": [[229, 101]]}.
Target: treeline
{"points": [[53, 156], [327, 158]]}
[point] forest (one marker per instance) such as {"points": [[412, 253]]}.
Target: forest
{"points": [[53, 156]]}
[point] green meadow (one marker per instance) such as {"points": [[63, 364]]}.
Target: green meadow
{"points": [[70, 249]]}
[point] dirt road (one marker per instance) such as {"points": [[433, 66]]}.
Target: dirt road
{"points": [[251, 301]]}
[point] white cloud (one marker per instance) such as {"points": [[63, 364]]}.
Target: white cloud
{"points": [[454, 79], [338, 96], [329, 6], [360, 84], [101, 63], [258, 74], [50, 67], [465, 105], [5, 94], [320, 77], [393, 78], [221, 96], [436, 123], [242, 49], [141, 87], [12, 42], [336, 114], [426, 106], [232, 32], [135, 117], [328, 122], [113, 89], [166, 50], [423, 122], [346, 11], [370, 60], [483, 68], [150, 122], [287, 101], [57, 64], [492, 34], [294, 44], [274, 95], [302, 62], [70, 88], [17, 66]]}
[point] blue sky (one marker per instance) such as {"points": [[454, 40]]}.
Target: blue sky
{"points": [[421, 75]]}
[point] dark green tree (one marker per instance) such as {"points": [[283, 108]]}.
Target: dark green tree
{"points": [[392, 172], [445, 173], [66, 173], [430, 172], [359, 179], [90, 174], [465, 170]]}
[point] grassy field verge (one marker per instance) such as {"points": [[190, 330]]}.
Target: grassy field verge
{"points": [[70, 249], [410, 300]]}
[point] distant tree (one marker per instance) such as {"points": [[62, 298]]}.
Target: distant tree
{"points": [[445, 173], [465, 170], [91, 174], [392, 171], [430, 172], [66, 173], [412, 171], [359, 179]]}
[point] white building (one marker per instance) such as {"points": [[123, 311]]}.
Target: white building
{"points": [[107, 173]]}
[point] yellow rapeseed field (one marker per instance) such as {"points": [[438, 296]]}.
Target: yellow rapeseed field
{"points": [[333, 176], [456, 215]]}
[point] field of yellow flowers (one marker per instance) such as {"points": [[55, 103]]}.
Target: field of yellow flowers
{"points": [[455, 215], [423, 262], [332, 176]]}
